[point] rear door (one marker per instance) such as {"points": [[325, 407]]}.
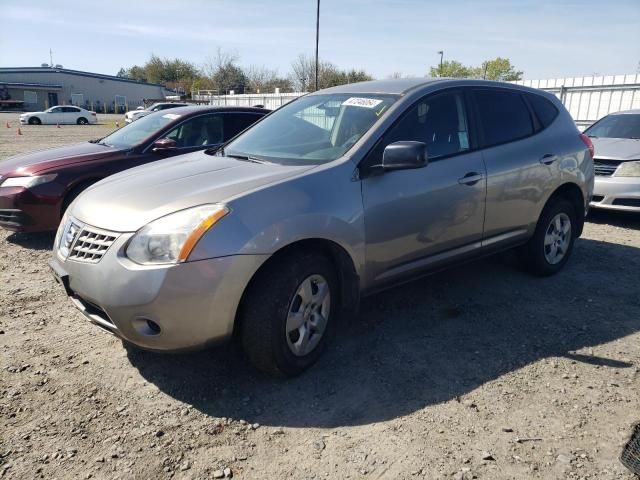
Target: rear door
{"points": [[519, 163], [70, 115], [421, 218]]}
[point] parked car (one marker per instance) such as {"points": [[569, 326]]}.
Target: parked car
{"points": [[616, 139], [60, 114], [36, 188], [335, 195], [156, 107]]}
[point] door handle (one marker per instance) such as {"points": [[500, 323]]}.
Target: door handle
{"points": [[548, 159], [470, 178]]}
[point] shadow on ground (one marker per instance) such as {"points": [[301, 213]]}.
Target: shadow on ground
{"points": [[33, 241], [424, 343], [615, 218]]}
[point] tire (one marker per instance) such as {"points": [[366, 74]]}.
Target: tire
{"points": [[273, 303], [35, 121], [82, 121], [549, 249]]}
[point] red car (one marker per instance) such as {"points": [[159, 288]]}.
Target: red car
{"points": [[36, 188]]}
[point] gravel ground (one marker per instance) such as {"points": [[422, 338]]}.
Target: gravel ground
{"points": [[478, 372]]}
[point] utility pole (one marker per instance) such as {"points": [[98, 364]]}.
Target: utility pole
{"points": [[441, 53], [51, 58], [317, 39]]}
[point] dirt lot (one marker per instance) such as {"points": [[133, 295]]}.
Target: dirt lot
{"points": [[478, 372]]}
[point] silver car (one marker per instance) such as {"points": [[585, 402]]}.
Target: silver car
{"points": [[616, 139], [333, 196]]}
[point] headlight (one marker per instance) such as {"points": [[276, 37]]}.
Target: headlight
{"points": [[27, 182], [628, 169], [171, 239]]}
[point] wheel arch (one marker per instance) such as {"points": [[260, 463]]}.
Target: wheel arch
{"points": [[573, 193], [341, 261], [73, 191]]}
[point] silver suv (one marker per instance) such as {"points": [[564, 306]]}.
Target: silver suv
{"points": [[336, 195]]}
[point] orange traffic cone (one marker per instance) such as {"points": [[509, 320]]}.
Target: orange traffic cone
{"points": [[8, 125], [19, 132], [117, 125]]}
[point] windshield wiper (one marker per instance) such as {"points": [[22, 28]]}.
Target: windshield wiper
{"points": [[247, 158]]}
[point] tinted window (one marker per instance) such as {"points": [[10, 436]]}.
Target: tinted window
{"points": [[545, 111], [198, 131], [438, 121], [234, 123], [70, 109], [504, 116]]}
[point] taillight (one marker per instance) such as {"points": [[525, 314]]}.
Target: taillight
{"points": [[93, 113], [587, 141]]}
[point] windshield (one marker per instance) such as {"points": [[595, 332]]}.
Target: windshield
{"points": [[314, 129], [134, 133], [616, 126]]}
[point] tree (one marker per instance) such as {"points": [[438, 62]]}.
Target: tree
{"points": [[265, 80], [452, 69], [121, 73], [500, 69], [304, 72]]}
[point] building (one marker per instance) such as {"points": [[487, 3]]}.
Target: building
{"points": [[38, 88]]}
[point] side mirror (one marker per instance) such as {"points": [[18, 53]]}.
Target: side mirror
{"points": [[164, 144], [404, 155]]}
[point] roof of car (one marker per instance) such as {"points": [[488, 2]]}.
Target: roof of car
{"points": [[635, 111], [208, 109]]}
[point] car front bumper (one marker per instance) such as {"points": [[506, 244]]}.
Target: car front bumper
{"points": [[23, 211], [617, 193], [162, 308]]}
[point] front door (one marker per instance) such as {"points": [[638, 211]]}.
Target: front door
{"points": [[52, 99], [416, 219]]}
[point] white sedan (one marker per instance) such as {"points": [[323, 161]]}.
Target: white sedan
{"points": [[59, 114], [140, 112]]}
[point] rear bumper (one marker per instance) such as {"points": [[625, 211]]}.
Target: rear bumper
{"points": [[22, 211], [617, 193]]}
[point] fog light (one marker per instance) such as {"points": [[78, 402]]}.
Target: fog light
{"points": [[147, 327]]}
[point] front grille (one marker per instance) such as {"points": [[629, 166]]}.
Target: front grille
{"points": [[605, 168], [91, 245], [627, 202], [15, 217]]}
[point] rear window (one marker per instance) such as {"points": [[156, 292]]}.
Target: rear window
{"points": [[504, 115], [545, 111]]}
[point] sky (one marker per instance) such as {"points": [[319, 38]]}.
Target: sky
{"points": [[543, 38]]}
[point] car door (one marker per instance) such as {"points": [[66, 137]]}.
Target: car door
{"points": [[197, 133], [70, 115], [420, 218], [53, 115], [516, 163]]}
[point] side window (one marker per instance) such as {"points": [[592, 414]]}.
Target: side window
{"points": [[198, 132], [234, 123], [438, 120], [504, 115], [70, 110], [57, 110], [545, 111]]}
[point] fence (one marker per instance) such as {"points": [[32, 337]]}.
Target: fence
{"points": [[587, 98], [267, 100], [591, 98]]}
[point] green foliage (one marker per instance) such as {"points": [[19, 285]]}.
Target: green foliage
{"points": [[497, 69]]}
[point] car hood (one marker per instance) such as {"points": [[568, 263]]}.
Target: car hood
{"points": [[616, 148], [41, 160], [127, 201]]}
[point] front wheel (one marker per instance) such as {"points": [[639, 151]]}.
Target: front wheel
{"points": [[34, 121], [82, 121], [289, 313], [552, 243]]}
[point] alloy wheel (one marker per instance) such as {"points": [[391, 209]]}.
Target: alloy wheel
{"points": [[308, 315], [557, 238]]}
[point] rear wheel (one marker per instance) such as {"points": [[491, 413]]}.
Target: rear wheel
{"points": [[288, 313], [34, 121], [552, 243], [82, 121]]}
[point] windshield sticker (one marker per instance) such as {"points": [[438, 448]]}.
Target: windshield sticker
{"points": [[362, 102], [172, 116]]}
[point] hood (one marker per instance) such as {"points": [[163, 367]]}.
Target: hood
{"points": [[127, 201], [616, 148], [34, 162]]}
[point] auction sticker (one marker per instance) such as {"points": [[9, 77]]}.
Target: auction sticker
{"points": [[362, 102], [172, 116]]}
